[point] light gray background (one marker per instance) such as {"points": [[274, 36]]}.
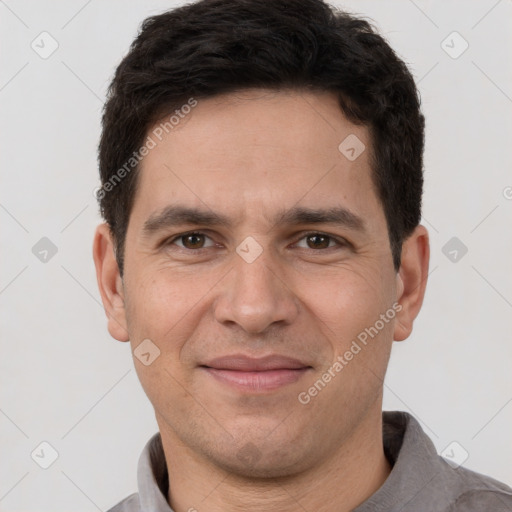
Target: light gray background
{"points": [[65, 381]]}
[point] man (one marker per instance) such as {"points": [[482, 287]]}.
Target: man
{"points": [[261, 167]]}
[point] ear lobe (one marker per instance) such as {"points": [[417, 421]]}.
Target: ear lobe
{"points": [[411, 281], [110, 283]]}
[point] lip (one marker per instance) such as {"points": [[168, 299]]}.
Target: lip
{"points": [[256, 374], [245, 363]]}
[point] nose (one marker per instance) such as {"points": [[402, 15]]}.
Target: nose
{"points": [[256, 296]]}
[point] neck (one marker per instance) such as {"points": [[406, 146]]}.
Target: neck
{"points": [[351, 475]]}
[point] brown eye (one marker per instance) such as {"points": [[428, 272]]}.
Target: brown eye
{"points": [[193, 241], [318, 241]]}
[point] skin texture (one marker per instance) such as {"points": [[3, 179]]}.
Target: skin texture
{"points": [[251, 156]]}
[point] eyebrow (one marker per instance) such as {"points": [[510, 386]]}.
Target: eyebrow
{"points": [[336, 215], [179, 215], [176, 215]]}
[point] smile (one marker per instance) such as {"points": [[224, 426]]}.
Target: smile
{"points": [[256, 374]]}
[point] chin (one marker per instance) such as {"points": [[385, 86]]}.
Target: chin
{"points": [[264, 463]]}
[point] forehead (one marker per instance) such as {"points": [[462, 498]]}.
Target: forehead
{"points": [[253, 152]]}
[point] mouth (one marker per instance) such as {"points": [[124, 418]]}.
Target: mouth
{"points": [[255, 374]]}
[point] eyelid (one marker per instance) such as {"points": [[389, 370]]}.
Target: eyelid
{"points": [[174, 238], [341, 242]]}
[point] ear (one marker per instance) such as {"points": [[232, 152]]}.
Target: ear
{"points": [[110, 283], [411, 281]]}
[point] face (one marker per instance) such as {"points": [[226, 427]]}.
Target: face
{"points": [[257, 260]]}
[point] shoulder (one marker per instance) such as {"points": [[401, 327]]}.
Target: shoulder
{"points": [[422, 480], [479, 492], [129, 504]]}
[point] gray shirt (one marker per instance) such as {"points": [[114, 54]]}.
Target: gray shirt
{"points": [[420, 480]]}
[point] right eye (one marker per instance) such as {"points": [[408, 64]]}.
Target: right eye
{"points": [[193, 240]]}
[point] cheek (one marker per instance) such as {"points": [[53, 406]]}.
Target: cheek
{"points": [[347, 300], [164, 308], [164, 304]]}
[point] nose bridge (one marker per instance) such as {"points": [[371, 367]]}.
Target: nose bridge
{"points": [[254, 296]]}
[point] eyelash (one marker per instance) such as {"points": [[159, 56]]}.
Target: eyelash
{"points": [[340, 241]]}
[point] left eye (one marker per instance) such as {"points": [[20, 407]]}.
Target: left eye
{"points": [[192, 241], [318, 241]]}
